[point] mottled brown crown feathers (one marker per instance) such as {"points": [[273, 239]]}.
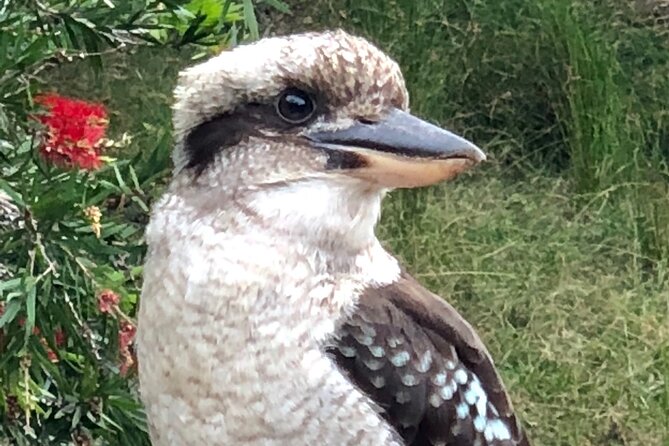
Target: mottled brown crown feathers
{"points": [[346, 69]]}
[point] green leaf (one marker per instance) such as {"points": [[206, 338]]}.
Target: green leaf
{"points": [[65, 410], [133, 176], [30, 305], [119, 178], [75, 418], [15, 196], [108, 420], [11, 310], [140, 203], [131, 298], [193, 33], [210, 9], [58, 200], [110, 185], [250, 20], [137, 271], [10, 284]]}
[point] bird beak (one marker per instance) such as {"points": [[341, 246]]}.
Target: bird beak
{"points": [[400, 150]]}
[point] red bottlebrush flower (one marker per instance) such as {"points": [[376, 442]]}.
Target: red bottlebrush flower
{"points": [[53, 357], [49, 352], [75, 130], [59, 337], [107, 301], [126, 336], [127, 361]]}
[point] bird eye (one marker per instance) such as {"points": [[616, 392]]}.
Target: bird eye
{"points": [[295, 106]]}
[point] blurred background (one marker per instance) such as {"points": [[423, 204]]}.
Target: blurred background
{"points": [[557, 249]]}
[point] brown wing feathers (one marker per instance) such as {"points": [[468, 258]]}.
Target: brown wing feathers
{"points": [[424, 365]]}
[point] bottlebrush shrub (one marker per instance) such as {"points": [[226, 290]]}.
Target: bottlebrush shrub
{"points": [[72, 217], [71, 245]]}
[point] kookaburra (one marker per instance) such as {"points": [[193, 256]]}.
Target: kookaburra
{"points": [[270, 313]]}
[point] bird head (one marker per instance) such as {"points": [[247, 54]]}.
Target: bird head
{"points": [[316, 118]]}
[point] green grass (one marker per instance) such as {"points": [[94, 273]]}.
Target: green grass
{"points": [[602, 142], [551, 249]]}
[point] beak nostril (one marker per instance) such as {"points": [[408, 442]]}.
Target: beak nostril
{"points": [[366, 121]]}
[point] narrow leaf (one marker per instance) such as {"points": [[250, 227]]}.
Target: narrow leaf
{"points": [[14, 195], [30, 306], [250, 20], [11, 310]]}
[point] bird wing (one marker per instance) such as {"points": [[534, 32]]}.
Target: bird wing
{"points": [[418, 359]]}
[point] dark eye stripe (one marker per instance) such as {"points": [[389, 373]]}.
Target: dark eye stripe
{"points": [[226, 130], [209, 138]]}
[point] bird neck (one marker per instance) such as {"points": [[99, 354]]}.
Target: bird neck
{"points": [[338, 215], [324, 214], [300, 251]]}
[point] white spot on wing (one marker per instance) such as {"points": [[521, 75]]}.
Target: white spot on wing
{"points": [[378, 381], [425, 362], [409, 380], [473, 393], [400, 359], [394, 342], [479, 423], [402, 397], [346, 351], [460, 376], [376, 351], [368, 330], [439, 379], [462, 410], [482, 401], [364, 339], [448, 390], [373, 364], [488, 433], [499, 429]]}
